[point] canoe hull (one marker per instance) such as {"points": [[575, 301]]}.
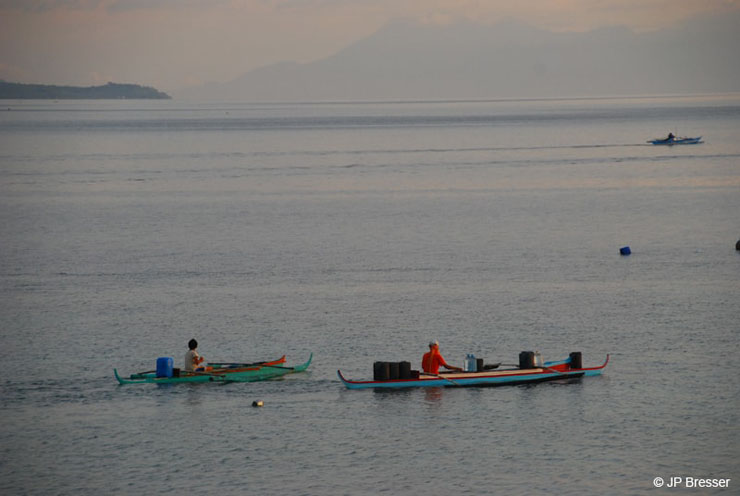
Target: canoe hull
{"points": [[262, 372], [552, 371]]}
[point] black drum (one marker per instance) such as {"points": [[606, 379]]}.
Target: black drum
{"points": [[393, 370], [526, 360], [381, 371], [576, 360], [404, 370]]}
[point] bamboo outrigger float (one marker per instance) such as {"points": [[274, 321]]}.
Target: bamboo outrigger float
{"points": [[548, 371], [221, 372]]}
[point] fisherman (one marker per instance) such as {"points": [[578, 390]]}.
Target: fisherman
{"points": [[192, 358], [431, 360], [670, 137]]}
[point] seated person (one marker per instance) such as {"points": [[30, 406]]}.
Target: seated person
{"points": [[192, 358], [433, 359]]}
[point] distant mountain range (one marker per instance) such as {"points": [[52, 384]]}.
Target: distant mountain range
{"points": [[50, 92], [409, 61]]}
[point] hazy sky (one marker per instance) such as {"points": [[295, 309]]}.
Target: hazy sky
{"points": [[172, 44]]}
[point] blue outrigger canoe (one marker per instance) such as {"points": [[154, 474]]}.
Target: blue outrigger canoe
{"points": [[549, 371]]}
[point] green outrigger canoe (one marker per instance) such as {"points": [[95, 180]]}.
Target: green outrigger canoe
{"points": [[260, 371]]}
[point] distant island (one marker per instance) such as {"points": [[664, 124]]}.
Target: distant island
{"points": [[112, 91]]}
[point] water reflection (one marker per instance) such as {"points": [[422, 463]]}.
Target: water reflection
{"points": [[433, 396]]}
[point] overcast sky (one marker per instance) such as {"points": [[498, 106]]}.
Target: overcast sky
{"points": [[172, 44]]}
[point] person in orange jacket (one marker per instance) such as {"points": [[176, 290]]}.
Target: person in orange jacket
{"points": [[431, 360]]}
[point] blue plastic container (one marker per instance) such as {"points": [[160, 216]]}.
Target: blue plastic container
{"points": [[471, 364], [164, 367], [625, 250]]}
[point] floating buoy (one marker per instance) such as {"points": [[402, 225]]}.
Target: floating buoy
{"points": [[258, 403], [625, 250]]}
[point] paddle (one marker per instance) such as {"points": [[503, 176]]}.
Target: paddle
{"points": [[261, 365], [235, 364], [449, 380], [443, 378]]}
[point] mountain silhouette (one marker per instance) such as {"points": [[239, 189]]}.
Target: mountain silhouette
{"points": [[412, 61]]}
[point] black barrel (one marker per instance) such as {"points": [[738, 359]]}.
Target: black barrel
{"points": [[381, 371], [393, 370], [404, 370], [526, 360], [576, 360], [479, 365]]}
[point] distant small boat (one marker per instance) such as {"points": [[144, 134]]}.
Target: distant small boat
{"points": [[672, 140]]}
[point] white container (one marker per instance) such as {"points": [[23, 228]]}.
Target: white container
{"points": [[538, 362]]}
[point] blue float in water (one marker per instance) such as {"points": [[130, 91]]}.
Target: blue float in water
{"points": [[625, 250]]}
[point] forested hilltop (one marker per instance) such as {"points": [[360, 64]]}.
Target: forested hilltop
{"points": [[52, 92]]}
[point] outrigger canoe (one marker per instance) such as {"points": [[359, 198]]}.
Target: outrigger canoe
{"points": [[222, 372], [677, 141], [549, 371]]}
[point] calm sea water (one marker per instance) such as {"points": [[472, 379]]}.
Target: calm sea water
{"points": [[359, 232]]}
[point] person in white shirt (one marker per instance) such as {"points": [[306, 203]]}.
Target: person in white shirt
{"points": [[192, 358]]}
